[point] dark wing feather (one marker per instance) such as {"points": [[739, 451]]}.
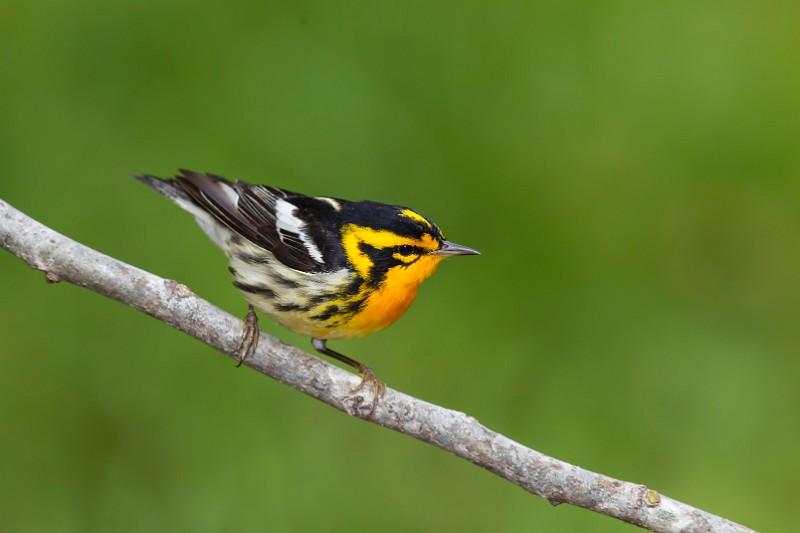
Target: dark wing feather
{"points": [[255, 216], [258, 204]]}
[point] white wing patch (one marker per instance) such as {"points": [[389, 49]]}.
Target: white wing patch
{"points": [[232, 195], [287, 222]]}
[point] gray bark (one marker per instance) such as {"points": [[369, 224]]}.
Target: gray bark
{"points": [[62, 259]]}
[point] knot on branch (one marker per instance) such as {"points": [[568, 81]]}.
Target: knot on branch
{"points": [[176, 289], [651, 498]]}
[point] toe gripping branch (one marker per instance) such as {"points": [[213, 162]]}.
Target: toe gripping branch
{"points": [[368, 377]]}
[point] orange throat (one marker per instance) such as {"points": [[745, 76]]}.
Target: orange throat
{"points": [[388, 303]]}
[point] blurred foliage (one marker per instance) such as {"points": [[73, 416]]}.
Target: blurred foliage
{"points": [[628, 169]]}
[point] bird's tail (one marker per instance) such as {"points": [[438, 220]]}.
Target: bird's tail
{"points": [[167, 187], [210, 198]]}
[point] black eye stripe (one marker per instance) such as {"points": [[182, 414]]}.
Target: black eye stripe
{"points": [[407, 249]]}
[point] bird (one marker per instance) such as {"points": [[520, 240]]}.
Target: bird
{"points": [[323, 267]]}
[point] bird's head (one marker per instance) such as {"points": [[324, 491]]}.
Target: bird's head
{"points": [[392, 242]]}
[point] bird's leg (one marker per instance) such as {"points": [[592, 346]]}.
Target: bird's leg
{"points": [[250, 336], [368, 377]]}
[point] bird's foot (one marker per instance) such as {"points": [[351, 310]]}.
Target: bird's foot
{"points": [[250, 336], [368, 377], [375, 385]]}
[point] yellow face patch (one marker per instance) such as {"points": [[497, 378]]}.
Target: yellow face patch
{"points": [[408, 259], [428, 242], [353, 235]]}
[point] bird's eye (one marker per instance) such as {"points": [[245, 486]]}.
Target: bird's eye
{"points": [[405, 249]]}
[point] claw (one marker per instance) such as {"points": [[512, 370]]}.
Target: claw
{"points": [[250, 336], [376, 386], [368, 377]]}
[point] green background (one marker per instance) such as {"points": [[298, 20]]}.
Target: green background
{"points": [[629, 170]]}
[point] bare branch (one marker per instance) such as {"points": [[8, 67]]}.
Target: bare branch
{"points": [[63, 259]]}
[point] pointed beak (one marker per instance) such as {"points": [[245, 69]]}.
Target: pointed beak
{"points": [[451, 248]]}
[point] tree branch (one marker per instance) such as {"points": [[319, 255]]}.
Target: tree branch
{"points": [[64, 259]]}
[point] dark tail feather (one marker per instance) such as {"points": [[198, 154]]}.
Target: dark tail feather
{"points": [[204, 194], [203, 190], [165, 187]]}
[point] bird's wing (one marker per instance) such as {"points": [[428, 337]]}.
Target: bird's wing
{"points": [[274, 219]]}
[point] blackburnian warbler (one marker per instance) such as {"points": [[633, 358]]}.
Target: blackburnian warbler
{"points": [[323, 267]]}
